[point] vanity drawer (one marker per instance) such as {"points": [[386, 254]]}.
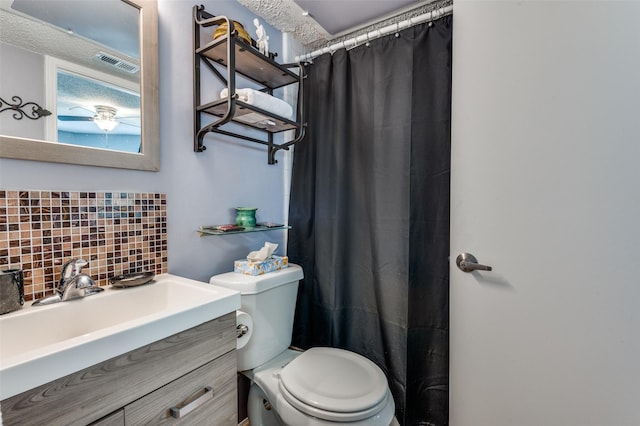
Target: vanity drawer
{"points": [[206, 396], [90, 394]]}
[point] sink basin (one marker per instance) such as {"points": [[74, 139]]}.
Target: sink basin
{"points": [[39, 344]]}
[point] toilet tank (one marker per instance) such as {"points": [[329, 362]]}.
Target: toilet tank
{"points": [[270, 300]]}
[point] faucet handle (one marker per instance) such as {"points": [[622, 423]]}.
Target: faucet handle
{"points": [[72, 268]]}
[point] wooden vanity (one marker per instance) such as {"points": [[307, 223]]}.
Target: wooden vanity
{"points": [[186, 378]]}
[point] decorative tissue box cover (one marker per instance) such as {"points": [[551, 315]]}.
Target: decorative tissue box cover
{"points": [[248, 267]]}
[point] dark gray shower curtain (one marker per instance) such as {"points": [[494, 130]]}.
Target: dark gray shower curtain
{"points": [[370, 212]]}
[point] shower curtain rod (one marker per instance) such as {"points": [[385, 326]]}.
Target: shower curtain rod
{"points": [[364, 38]]}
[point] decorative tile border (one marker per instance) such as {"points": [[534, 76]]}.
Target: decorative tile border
{"points": [[117, 232]]}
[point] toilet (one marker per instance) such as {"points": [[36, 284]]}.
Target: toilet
{"points": [[319, 386]]}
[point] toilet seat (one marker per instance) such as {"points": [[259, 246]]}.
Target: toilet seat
{"points": [[334, 385]]}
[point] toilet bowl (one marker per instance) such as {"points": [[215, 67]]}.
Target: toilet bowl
{"points": [[321, 386], [318, 387]]}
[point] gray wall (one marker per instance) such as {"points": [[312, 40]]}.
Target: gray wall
{"points": [[201, 188], [25, 81]]}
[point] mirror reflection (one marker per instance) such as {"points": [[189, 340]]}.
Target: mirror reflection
{"points": [[93, 109], [101, 39], [81, 61]]}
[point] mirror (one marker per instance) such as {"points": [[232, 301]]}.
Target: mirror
{"points": [[128, 75]]}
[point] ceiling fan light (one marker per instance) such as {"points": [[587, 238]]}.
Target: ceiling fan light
{"points": [[104, 117], [106, 125]]}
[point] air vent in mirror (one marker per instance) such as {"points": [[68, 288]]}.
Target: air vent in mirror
{"points": [[118, 63]]}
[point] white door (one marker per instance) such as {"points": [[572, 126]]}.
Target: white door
{"points": [[546, 190]]}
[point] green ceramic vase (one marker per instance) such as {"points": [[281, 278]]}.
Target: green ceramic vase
{"points": [[246, 217]]}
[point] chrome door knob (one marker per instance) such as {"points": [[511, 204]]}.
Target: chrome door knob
{"points": [[468, 263]]}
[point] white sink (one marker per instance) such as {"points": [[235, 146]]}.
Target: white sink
{"points": [[39, 344]]}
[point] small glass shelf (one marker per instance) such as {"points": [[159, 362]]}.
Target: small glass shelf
{"points": [[211, 230]]}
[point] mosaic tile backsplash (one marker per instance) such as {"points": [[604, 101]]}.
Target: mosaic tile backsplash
{"points": [[117, 232]]}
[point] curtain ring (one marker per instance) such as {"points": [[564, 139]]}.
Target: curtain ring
{"points": [[397, 29], [367, 43]]}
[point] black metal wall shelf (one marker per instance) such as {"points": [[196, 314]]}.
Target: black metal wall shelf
{"points": [[229, 53]]}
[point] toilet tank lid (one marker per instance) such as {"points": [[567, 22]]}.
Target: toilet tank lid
{"points": [[252, 284]]}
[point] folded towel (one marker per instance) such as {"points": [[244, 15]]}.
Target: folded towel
{"points": [[263, 101]]}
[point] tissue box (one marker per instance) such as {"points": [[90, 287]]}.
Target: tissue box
{"points": [[248, 267]]}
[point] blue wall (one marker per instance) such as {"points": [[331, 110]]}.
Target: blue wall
{"points": [[202, 188]]}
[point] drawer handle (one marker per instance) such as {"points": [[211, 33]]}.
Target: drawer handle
{"points": [[191, 403]]}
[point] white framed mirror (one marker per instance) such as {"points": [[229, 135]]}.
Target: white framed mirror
{"points": [[32, 144]]}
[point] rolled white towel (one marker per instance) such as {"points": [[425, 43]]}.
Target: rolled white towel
{"points": [[263, 101]]}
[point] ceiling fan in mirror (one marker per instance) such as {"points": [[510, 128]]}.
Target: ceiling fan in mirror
{"points": [[105, 117]]}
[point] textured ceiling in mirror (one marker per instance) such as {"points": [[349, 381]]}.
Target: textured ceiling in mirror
{"points": [[26, 33], [79, 96], [88, 19]]}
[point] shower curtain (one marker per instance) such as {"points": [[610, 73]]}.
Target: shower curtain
{"points": [[369, 211]]}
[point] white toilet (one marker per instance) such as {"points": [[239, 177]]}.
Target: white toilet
{"points": [[321, 386]]}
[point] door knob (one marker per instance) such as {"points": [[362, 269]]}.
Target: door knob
{"points": [[468, 263]]}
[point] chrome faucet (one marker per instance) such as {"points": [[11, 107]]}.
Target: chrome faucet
{"points": [[72, 285], [72, 281]]}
